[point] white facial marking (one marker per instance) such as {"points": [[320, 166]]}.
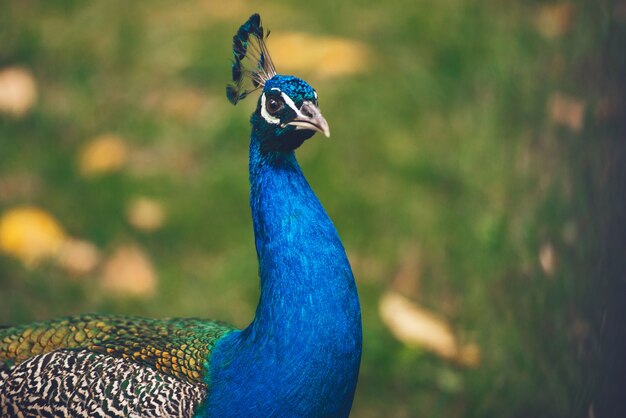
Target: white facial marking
{"points": [[268, 118], [290, 103], [275, 121]]}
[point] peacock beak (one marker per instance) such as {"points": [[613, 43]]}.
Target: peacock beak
{"points": [[309, 117]]}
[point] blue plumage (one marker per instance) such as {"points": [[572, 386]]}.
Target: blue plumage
{"points": [[300, 356]]}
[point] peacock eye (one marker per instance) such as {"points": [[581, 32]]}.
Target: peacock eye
{"points": [[273, 106]]}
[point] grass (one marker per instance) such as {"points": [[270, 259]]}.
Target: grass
{"points": [[443, 149]]}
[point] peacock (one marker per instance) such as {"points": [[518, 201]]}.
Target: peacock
{"points": [[300, 355]]}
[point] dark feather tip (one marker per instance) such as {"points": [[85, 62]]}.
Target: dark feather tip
{"points": [[242, 34], [250, 60], [251, 27], [254, 23], [236, 71], [239, 48], [232, 94]]}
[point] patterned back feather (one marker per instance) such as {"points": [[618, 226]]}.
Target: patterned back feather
{"points": [[69, 383], [251, 60], [104, 365]]}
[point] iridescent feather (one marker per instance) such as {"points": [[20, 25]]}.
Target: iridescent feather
{"points": [[251, 60]]}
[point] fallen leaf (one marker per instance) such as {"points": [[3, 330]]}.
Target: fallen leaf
{"points": [[18, 91], [554, 20], [78, 257], [323, 55], [417, 327], [30, 234], [145, 214], [129, 272], [567, 111], [106, 153], [548, 259]]}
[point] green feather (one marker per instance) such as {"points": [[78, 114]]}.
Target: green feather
{"points": [[178, 347]]}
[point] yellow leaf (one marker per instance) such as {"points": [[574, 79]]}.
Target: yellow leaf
{"points": [[106, 153], [417, 327], [567, 110], [18, 91], [30, 234], [129, 272], [554, 20], [78, 257], [145, 214], [326, 56], [548, 259]]}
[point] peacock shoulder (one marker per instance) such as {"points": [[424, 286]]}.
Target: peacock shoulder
{"points": [[178, 347]]}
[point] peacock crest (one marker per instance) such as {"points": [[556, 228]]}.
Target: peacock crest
{"points": [[251, 60]]}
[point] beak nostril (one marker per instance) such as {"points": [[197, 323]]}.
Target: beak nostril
{"points": [[309, 117], [308, 109]]}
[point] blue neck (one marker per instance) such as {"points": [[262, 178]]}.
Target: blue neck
{"points": [[300, 355]]}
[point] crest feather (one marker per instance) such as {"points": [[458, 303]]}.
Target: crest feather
{"points": [[251, 60]]}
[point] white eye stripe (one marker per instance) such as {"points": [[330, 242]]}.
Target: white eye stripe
{"points": [[290, 102], [268, 118]]}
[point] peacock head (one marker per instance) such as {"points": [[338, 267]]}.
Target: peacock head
{"points": [[287, 112]]}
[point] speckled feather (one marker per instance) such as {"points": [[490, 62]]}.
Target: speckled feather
{"points": [[100, 365], [80, 383], [178, 347]]}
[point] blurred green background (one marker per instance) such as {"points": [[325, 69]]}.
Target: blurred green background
{"points": [[474, 167]]}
